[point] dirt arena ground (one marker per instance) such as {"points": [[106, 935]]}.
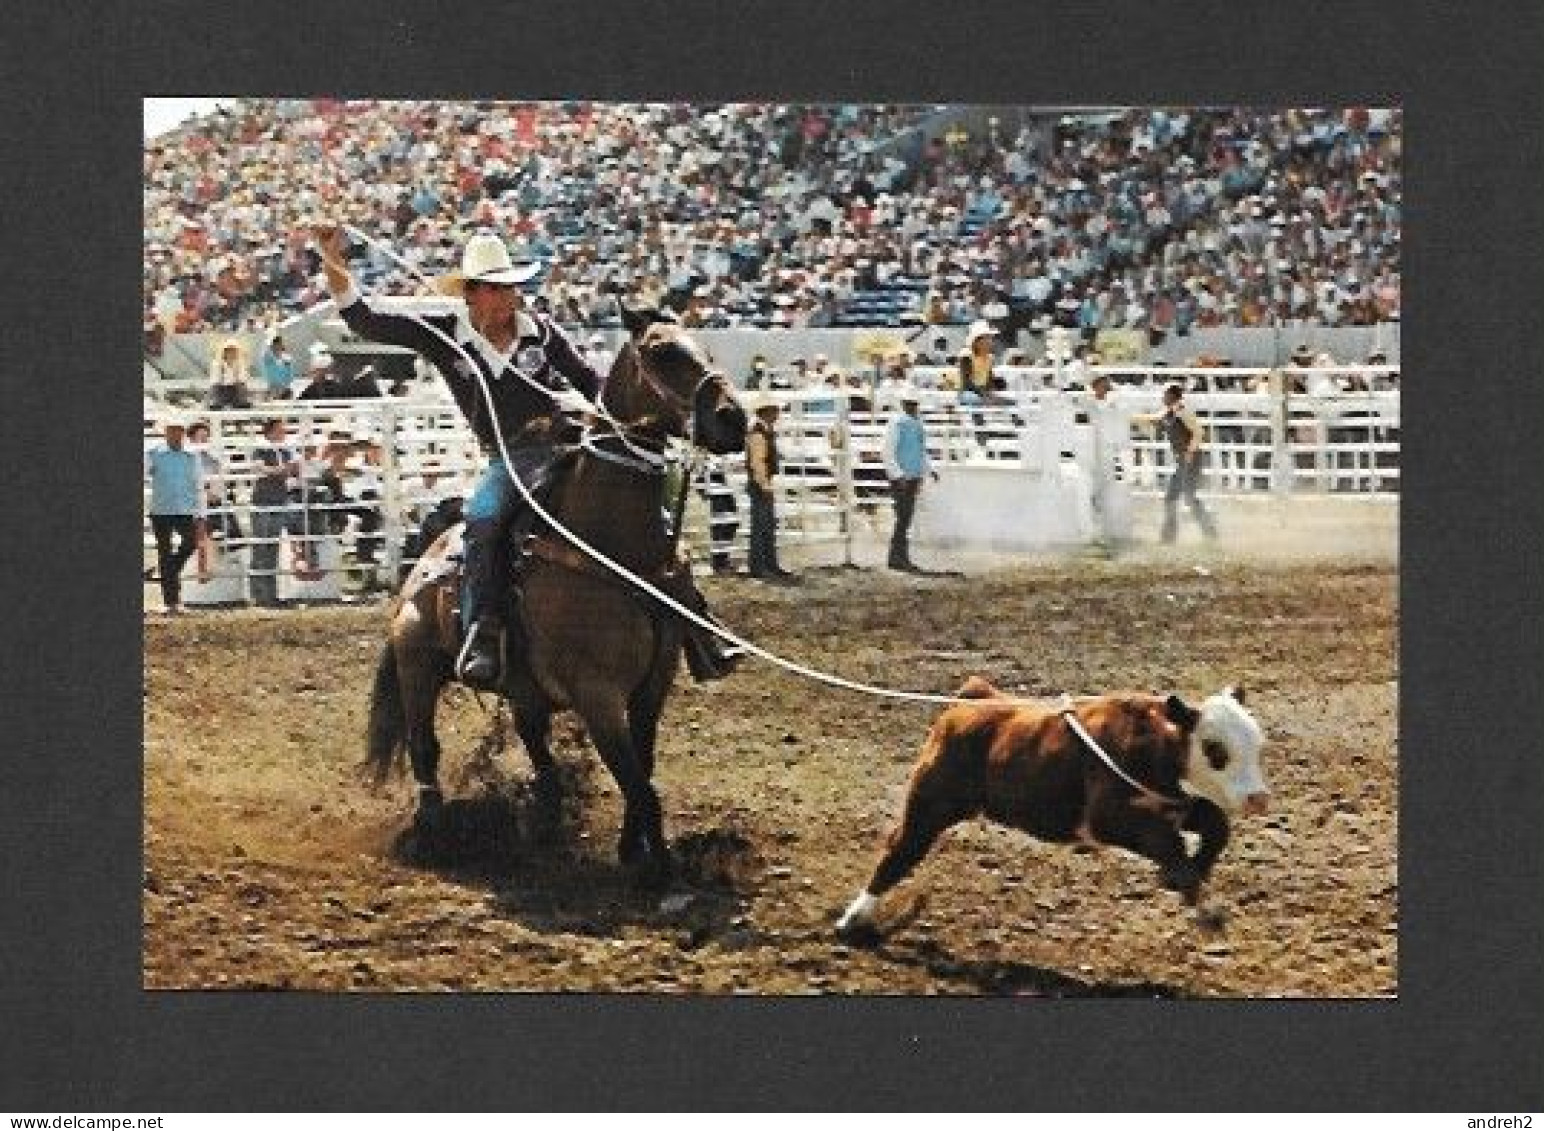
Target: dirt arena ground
{"points": [[268, 862]]}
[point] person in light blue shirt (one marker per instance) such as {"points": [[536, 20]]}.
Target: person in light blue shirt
{"points": [[176, 508], [278, 369], [906, 464]]}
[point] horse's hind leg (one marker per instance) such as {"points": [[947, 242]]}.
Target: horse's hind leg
{"points": [[534, 724], [422, 678]]}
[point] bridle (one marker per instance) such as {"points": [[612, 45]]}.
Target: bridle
{"points": [[687, 408]]}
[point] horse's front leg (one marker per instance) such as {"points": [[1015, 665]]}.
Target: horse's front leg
{"points": [[642, 838]]}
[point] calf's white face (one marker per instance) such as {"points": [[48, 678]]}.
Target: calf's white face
{"points": [[1223, 763]]}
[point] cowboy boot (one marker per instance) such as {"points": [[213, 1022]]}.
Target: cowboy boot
{"points": [[478, 663], [707, 657]]}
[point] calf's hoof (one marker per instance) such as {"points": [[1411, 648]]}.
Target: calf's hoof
{"points": [[860, 933], [857, 924]]}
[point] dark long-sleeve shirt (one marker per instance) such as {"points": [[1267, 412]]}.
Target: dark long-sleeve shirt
{"points": [[543, 351]]}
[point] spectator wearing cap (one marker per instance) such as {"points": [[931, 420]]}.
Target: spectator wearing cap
{"points": [[896, 378], [274, 492], [1381, 381], [1302, 358], [347, 491], [979, 384], [820, 372], [176, 508], [228, 377], [758, 379], [906, 465], [219, 503], [762, 463]]}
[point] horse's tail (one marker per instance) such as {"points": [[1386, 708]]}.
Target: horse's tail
{"points": [[388, 719]]}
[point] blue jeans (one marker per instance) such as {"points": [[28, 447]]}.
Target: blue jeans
{"points": [[494, 503], [763, 546], [1182, 486]]}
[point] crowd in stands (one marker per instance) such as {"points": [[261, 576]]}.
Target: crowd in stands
{"points": [[779, 215]]}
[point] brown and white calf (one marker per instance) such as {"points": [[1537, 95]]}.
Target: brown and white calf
{"points": [[1028, 768]]}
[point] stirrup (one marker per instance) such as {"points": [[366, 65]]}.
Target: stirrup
{"points": [[468, 656]]}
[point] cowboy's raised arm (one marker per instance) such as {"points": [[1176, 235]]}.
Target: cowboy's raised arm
{"points": [[357, 315]]}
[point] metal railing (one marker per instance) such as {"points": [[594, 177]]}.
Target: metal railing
{"points": [[405, 456]]}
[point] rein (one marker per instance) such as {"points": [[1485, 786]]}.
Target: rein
{"points": [[641, 460]]}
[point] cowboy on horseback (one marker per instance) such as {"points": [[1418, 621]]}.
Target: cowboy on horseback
{"points": [[525, 362]]}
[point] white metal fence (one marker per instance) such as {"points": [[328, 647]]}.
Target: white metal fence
{"points": [[404, 456]]}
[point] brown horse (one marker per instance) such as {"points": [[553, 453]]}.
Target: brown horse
{"points": [[590, 641]]}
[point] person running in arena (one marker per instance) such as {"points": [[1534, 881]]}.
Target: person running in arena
{"points": [[1179, 426], [506, 343]]}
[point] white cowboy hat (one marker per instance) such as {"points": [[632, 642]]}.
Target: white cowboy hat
{"points": [[979, 329], [485, 259]]}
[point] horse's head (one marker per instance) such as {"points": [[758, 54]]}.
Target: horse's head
{"points": [[664, 375]]}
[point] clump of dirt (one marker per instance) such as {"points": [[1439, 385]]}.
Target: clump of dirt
{"points": [[718, 858]]}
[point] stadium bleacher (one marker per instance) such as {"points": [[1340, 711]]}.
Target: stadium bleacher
{"points": [[1229, 217]]}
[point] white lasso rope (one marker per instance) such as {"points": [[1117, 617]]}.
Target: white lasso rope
{"points": [[633, 579]]}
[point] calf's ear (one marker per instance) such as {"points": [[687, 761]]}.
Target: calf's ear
{"points": [[1237, 691], [1181, 713]]}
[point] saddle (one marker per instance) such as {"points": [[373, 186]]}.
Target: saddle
{"points": [[532, 542]]}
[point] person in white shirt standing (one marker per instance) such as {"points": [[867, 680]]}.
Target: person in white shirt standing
{"points": [[1112, 436]]}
